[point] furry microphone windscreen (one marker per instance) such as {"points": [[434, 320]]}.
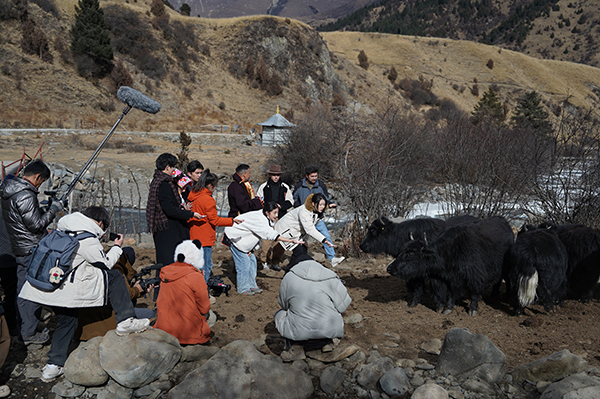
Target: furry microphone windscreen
{"points": [[135, 99], [190, 253]]}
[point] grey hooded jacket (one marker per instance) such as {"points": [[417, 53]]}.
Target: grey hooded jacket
{"points": [[24, 219], [312, 299]]}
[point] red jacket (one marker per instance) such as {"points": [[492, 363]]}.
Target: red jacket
{"points": [[204, 229], [182, 302]]}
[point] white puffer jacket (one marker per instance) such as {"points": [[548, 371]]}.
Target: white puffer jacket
{"points": [[255, 226], [298, 223], [86, 286], [312, 299]]}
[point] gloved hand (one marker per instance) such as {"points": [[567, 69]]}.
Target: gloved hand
{"points": [[59, 205]]}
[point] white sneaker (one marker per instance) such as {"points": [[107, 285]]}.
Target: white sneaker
{"points": [[266, 266], [51, 371], [4, 391], [336, 261], [132, 325]]}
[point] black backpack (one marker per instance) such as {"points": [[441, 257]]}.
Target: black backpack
{"points": [[52, 259]]}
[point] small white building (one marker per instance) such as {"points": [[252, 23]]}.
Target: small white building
{"points": [[275, 129]]}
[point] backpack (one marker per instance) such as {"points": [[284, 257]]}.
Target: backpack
{"points": [[51, 260]]}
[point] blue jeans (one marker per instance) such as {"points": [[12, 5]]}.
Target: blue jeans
{"points": [[245, 266], [208, 264], [322, 228]]}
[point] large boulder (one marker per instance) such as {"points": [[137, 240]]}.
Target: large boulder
{"points": [[465, 355], [240, 371], [578, 386], [83, 365], [550, 368], [136, 360]]}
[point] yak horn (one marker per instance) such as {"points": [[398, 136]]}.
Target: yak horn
{"points": [[411, 236]]}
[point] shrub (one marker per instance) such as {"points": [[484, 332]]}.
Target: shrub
{"points": [[120, 75], [363, 60], [274, 86], [490, 64], [338, 100], [34, 41], [48, 6], [185, 9], [475, 90], [250, 68], [8, 10], [222, 106], [392, 75], [108, 106]]}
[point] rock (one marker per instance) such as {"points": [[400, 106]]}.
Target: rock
{"points": [[112, 390], [395, 382], [339, 353], [433, 346], [372, 372], [32, 372], [83, 365], [465, 354], [194, 353], [550, 368], [296, 352], [136, 360], [331, 379], [404, 363], [161, 386], [430, 391], [67, 390], [353, 318], [455, 393], [578, 386], [476, 385], [17, 371], [239, 370]]}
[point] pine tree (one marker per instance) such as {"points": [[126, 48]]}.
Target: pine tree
{"points": [[530, 113], [393, 75], [363, 60], [488, 108], [90, 37], [185, 9]]}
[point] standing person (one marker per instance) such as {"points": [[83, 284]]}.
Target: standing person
{"points": [[8, 280], [91, 283], [165, 214], [302, 221], [26, 224], [203, 203], [244, 239], [309, 185], [194, 169], [274, 190], [240, 193]]}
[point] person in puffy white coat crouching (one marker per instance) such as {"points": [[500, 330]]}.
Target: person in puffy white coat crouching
{"points": [[312, 300]]}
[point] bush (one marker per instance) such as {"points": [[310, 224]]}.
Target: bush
{"points": [[418, 91], [48, 6], [338, 100], [475, 90], [8, 10], [392, 75], [363, 60], [34, 41], [490, 64], [222, 106], [121, 76]]}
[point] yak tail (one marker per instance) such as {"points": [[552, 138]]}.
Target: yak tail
{"points": [[527, 288]]}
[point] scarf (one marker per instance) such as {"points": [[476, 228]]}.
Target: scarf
{"points": [[155, 217], [250, 189]]}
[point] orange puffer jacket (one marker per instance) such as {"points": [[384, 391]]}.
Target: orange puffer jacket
{"points": [[204, 229], [182, 303]]}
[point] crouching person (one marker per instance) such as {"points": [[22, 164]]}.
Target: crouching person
{"points": [[312, 299], [91, 283], [183, 304]]}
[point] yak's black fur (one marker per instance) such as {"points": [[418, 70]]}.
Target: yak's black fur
{"points": [[538, 251], [462, 262]]}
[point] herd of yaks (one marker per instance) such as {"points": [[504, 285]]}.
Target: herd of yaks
{"points": [[462, 256]]}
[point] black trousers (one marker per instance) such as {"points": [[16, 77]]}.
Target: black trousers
{"points": [[118, 295], [8, 281]]}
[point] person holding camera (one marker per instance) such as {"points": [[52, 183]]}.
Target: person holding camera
{"points": [[26, 224], [90, 283]]}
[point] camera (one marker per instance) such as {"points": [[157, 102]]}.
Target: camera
{"points": [[144, 283], [113, 236], [218, 286]]}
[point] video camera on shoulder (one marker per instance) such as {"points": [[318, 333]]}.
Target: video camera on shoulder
{"points": [[144, 283]]}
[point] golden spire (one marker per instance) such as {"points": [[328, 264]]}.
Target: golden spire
{"points": [[278, 109]]}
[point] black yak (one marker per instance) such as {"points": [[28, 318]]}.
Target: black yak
{"points": [[462, 262], [385, 236], [537, 265]]}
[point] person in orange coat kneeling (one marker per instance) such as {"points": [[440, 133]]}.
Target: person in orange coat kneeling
{"points": [[183, 304]]}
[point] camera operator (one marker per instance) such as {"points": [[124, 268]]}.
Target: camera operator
{"points": [[86, 286]]}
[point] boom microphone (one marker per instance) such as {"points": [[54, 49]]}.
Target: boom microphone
{"points": [[135, 99]]}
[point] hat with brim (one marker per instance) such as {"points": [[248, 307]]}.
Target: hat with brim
{"points": [[274, 170]]}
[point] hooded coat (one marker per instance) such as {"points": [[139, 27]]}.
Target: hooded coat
{"points": [[204, 229], [312, 299], [246, 235], [299, 222], [24, 219], [86, 286], [183, 299]]}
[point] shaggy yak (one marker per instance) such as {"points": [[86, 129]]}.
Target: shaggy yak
{"points": [[537, 266], [462, 262], [385, 236]]}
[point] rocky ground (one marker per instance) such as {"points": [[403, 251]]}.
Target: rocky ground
{"points": [[377, 320]]}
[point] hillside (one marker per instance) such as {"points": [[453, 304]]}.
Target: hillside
{"points": [[199, 76], [551, 29]]}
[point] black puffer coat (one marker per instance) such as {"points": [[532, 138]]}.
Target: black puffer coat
{"points": [[25, 221]]}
